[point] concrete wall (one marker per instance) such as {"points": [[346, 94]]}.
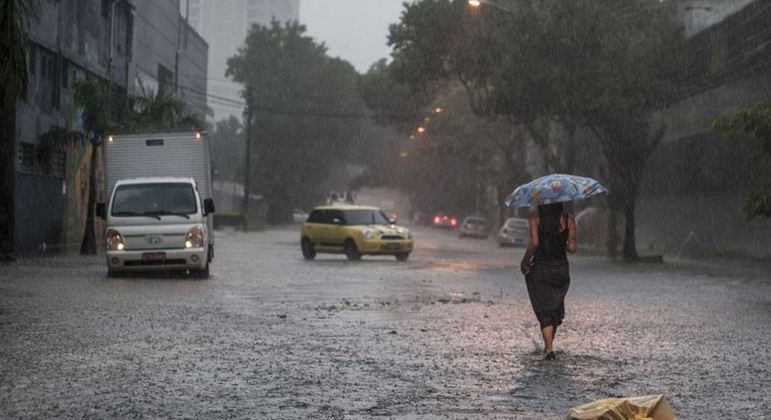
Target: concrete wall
{"points": [[168, 54], [698, 15], [40, 213]]}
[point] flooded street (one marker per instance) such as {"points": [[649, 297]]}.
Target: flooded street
{"points": [[448, 334]]}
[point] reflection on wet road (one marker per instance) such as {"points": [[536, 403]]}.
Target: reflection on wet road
{"points": [[449, 333]]}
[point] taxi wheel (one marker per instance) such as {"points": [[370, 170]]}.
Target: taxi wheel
{"points": [[351, 251], [402, 256], [308, 252]]}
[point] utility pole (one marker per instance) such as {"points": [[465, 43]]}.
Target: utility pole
{"points": [[247, 165]]}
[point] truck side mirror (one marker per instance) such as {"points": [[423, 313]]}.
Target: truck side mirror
{"points": [[208, 206], [101, 210]]}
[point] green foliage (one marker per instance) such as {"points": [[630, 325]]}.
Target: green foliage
{"points": [[158, 112], [305, 112], [106, 110], [393, 103], [14, 42], [228, 142], [753, 123]]}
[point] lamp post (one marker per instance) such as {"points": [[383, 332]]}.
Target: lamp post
{"points": [[476, 4]]}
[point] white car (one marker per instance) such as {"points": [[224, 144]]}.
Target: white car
{"points": [[514, 232], [299, 216], [474, 227]]}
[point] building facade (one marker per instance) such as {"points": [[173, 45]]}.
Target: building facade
{"points": [[696, 182], [224, 24], [130, 43]]}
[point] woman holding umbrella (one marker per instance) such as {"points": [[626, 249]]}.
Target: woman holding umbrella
{"points": [[552, 236]]}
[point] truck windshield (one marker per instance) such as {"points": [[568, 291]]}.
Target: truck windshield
{"points": [[154, 200]]}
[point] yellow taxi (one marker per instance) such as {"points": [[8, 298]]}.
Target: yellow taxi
{"points": [[353, 231]]}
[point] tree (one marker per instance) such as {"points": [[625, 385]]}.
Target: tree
{"points": [[14, 43], [105, 111], [305, 111], [228, 151], [581, 64], [752, 123]]}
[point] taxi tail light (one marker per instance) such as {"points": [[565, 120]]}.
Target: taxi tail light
{"points": [[453, 222], [437, 220]]}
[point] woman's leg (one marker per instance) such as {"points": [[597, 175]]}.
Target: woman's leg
{"points": [[548, 337]]}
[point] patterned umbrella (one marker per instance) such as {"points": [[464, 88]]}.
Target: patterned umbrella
{"points": [[555, 188]]}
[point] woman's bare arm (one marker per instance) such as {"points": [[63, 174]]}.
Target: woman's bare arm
{"points": [[572, 244], [533, 246]]}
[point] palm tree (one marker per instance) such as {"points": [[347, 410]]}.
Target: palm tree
{"points": [[14, 43], [104, 111], [95, 98]]}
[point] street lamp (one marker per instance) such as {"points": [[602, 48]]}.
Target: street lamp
{"points": [[476, 4]]}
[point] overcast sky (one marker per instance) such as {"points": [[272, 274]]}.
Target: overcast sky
{"points": [[354, 30]]}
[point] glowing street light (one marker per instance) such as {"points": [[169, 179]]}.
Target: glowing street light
{"points": [[476, 4], [439, 109], [421, 130]]}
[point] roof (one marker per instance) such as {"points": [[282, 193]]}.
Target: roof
{"points": [[346, 207], [154, 179]]}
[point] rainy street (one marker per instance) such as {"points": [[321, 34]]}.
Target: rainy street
{"points": [[447, 334]]}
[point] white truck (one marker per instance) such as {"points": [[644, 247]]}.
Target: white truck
{"points": [[159, 211]]}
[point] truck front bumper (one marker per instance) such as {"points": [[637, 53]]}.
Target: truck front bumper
{"points": [[158, 259]]}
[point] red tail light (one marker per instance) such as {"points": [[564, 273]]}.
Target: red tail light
{"points": [[453, 222], [437, 220]]}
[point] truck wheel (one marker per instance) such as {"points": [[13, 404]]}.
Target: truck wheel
{"points": [[201, 274], [351, 251], [307, 247], [402, 256]]}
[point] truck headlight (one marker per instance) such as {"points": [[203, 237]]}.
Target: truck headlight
{"points": [[194, 238], [114, 241], [370, 233]]}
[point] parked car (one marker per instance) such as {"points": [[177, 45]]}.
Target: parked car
{"points": [[445, 221], [473, 226], [353, 231], [299, 216], [514, 232]]}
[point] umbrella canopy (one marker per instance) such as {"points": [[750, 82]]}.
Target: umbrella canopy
{"points": [[555, 188]]}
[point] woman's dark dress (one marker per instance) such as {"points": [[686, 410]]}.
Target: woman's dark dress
{"points": [[549, 278]]}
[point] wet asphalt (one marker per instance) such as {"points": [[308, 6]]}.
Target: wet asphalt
{"points": [[448, 334]]}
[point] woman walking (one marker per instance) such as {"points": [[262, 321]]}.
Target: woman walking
{"points": [[546, 269]]}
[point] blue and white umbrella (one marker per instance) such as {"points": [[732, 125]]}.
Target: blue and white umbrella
{"points": [[555, 188]]}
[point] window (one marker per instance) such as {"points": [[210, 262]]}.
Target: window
{"points": [[59, 163], [159, 199], [317, 216], [165, 79], [365, 217], [27, 157]]}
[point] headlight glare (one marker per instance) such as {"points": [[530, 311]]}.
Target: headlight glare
{"points": [[114, 241], [194, 238]]}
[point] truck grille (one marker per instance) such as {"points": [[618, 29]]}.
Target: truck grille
{"points": [[138, 263]]}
